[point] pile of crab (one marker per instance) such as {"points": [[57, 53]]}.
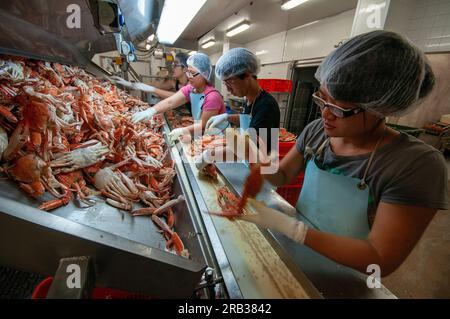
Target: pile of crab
{"points": [[65, 132]]}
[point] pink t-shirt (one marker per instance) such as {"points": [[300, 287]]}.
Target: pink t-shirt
{"points": [[213, 100]]}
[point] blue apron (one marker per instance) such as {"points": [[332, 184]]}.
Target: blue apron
{"points": [[244, 122], [335, 203], [197, 100]]}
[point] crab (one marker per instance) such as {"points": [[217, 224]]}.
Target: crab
{"points": [[79, 158], [232, 205]]}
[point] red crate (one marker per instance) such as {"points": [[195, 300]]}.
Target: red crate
{"points": [[41, 290], [290, 193], [276, 85], [284, 148]]}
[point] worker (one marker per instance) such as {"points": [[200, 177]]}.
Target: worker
{"points": [[369, 191], [205, 100], [238, 69], [167, 88]]}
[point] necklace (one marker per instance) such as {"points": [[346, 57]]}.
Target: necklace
{"points": [[253, 103]]}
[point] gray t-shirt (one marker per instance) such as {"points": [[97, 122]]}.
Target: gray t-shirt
{"points": [[406, 171]]}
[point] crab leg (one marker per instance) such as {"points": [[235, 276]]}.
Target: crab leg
{"points": [[169, 204]]}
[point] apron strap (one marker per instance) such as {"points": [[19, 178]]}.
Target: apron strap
{"points": [[205, 95], [363, 184]]}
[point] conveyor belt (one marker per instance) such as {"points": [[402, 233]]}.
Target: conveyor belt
{"points": [[258, 269]]}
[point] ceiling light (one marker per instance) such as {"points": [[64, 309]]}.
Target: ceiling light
{"points": [[208, 44], [175, 17], [262, 52], [238, 28], [287, 5], [151, 38], [147, 46]]}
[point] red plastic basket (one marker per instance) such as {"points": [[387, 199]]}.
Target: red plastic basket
{"points": [[41, 290], [276, 85], [290, 193], [284, 148]]}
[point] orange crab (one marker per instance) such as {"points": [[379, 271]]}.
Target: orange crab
{"points": [[232, 205]]}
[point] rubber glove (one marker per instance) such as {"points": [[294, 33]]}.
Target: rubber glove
{"points": [[270, 218], [143, 87], [214, 121], [119, 80], [143, 115], [204, 159], [246, 149], [134, 85], [176, 133]]}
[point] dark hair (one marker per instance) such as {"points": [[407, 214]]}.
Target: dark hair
{"points": [[182, 57], [428, 82], [243, 76]]}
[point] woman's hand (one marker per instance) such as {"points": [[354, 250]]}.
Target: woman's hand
{"points": [[266, 217]]}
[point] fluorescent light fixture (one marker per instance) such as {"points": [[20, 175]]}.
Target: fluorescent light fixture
{"points": [[175, 17], [192, 52], [238, 28], [262, 52], [147, 46], [150, 38], [306, 25], [287, 5], [208, 43]]}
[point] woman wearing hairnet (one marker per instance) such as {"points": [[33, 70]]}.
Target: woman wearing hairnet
{"points": [[168, 88], [205, 100], [369, 191], [238, 69]]}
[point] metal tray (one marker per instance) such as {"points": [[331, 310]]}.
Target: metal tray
{"points": [[128, 252]]}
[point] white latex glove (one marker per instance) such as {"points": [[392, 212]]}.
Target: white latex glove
{"points": [[119, 80], [216, 120], [176, 133], [143, 87], [133, 85], [246, 149], [143, 115], [204, 159], [270, 218]]}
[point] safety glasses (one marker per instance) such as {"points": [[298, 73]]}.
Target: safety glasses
{"points": [[334, 109], [231, 81], [191, 75]]}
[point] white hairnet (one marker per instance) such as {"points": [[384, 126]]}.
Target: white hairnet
{"points": [[380, 71], [236, 62], [201, 62]]}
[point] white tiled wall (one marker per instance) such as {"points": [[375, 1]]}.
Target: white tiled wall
{"points": [[274, 71], [214, 57], [319, 39], [429, 25], [269, 49], [313, 41]]}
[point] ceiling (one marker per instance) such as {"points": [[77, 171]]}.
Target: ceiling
{"points": [[266, 18]]}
